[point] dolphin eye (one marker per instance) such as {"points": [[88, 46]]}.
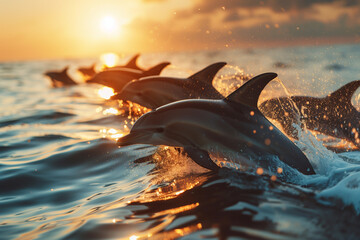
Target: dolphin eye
{"points": [[159, 130]]}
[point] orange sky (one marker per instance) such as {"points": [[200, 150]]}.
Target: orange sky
{"points": [[42, 29]]}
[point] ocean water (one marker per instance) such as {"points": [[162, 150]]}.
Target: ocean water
{"points": [[62, 175]]}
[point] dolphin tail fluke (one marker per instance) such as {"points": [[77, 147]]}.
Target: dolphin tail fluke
{"points": [[156, 70], [201, 157], [132, 62], [249, 92], [207, 74], [345, 93]]}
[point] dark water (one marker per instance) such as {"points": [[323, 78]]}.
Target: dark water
{"points": [[62, 176]]}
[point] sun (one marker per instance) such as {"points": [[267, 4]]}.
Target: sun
{"points": [[109, 25]]}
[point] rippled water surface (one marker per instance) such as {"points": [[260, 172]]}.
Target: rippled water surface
{"points": [[62, 175]]}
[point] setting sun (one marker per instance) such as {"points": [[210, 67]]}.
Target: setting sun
{"points": [[109, 25]]}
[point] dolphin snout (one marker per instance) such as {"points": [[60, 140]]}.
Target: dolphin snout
{"points": [[135, 137]]}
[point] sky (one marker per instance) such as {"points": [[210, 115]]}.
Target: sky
{"points": [[43, 29]]}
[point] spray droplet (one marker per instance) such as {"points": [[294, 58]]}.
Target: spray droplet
{"points": [[259, 171]]}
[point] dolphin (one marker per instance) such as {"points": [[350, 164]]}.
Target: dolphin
{"points": [[117, 78], [90, 71], [232, 124], [132, 63], [87, 71], [333, 115], [60, 78], [155, 91]]}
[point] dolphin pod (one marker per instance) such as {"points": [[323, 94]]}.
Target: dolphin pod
{"points": [[155, 91], [90, 71], [60, 78], [232, 124], [333, 115], [117, 78]]}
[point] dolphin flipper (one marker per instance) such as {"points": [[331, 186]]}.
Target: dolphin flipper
{"points": [[201, 157]]}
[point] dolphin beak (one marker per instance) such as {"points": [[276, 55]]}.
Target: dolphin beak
{"points": [[135, 137], [152, 137]]}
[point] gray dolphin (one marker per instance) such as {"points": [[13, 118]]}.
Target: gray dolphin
{"points": [[232, 124], [155, 91], [333, 115], [60, 78], [117, 78]]}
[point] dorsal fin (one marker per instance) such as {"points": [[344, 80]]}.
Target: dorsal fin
{"points": [[345, 93], [207, 74], [249, 92], [156, 70], [65, 69], [132, 62]]}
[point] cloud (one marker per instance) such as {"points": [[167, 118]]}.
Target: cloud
{"points": [[207, 6], [213, 24]]}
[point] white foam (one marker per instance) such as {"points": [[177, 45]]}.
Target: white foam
{"points": [[336, 181]]}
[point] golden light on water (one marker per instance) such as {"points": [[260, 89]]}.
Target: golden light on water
{"points": [[177, 210], [111, 133], [109, 59], [133, 237], [110, 111], [106, 92]]}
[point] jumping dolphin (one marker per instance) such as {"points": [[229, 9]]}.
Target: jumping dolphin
{"points": [[232, 124], [155, 91], [117, 78], [333, 115], [60, 78]]}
